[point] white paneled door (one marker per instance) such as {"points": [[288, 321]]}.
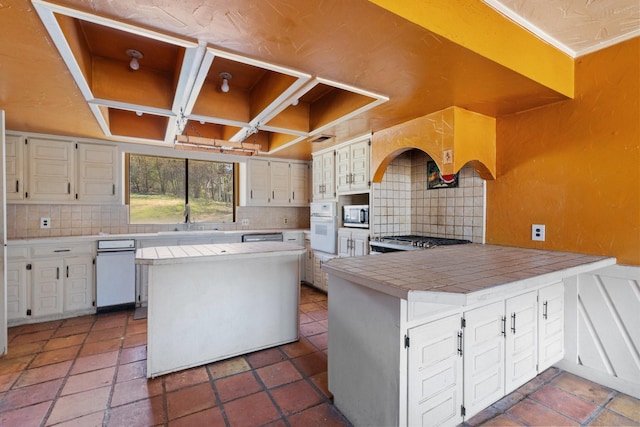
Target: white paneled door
{"points": [[3, 244]]}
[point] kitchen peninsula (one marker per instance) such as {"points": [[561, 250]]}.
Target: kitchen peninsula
{"points": [[212, 302], [408, 329]]}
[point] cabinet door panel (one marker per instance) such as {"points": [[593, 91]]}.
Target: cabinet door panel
{"points": [[47, 288], [551, 325], [14, 167], [16, 290], [279, 180], [483, 357], [343, 168], [258, 185], [435, 373], [344, 244], [97, 173], [51, 170], [521, 353], [299, 184], [78, 283]]}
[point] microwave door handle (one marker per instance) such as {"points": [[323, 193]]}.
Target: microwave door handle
{"points": [[362, 217]]}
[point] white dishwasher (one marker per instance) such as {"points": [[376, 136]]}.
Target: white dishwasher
{"points": [[115, 275]]}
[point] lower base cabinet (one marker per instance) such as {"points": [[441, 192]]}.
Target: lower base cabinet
{"points": [[308, 263]]}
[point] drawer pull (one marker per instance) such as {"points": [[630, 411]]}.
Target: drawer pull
{"points": [[62, 250]]}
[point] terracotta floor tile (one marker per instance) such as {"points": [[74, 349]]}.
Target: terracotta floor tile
{"points": [[30, 395], [310, 306], [303, 318], [137, 389], [188, 377], [323, 415], [312, 328], [31, 348], [134, 340], [586, 389], [627, 406], [321, 314], [549, 374], [483, 416], [28, 416], [104, 334], [295, 397], [137, 328], [89, 380], [321, 381], [78, 321], [531, 386], [265, 357], [110, 320], [133, 354], [98, 347], [508, 401], [32, 337], [565, 403], [531, 413], [190, 400], [501, 421], [55, 356], [131, 371], [324, 323], [96, 361], [44, 373], [7, 380], [236, 386], [228, 367], [254, 410], [607, 418], [299, 348], [69, 341], [79, 328], [91, 420], [320, 341], [211, 417], [143, 413], [278, 374], [311, 364], [79, 404], [15, 364]]}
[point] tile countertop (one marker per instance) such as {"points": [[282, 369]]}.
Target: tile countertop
{"points": [[462, 274], [206, 253]]}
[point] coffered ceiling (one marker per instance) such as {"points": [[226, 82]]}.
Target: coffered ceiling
{"points": [[300, 70]]}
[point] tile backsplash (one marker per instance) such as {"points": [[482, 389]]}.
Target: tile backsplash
{"points": [[23, 220], [403, 205]]}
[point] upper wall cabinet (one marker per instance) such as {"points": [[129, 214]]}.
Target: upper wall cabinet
{"points": [[51, 170], [273, 183], [324, 176], [352, 167]]}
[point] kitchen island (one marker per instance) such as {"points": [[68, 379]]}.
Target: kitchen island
{"points": [[212, 302], [408, 329]]}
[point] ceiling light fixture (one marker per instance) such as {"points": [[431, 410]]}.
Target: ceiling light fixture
{"points": [[135, 55], [225, 81], [139, 113], [294, 102]]}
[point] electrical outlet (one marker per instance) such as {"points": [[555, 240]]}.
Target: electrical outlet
{"points": [[45, 222], [245, 222], [285, 220], [537, 232]]}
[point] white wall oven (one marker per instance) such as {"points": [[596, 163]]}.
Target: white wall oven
{"points": [[324, 227]]}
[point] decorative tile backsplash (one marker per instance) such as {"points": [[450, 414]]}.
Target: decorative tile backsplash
{"points": [[403, 205], [23, 221]]}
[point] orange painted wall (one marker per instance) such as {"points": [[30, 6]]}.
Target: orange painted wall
{"points": [[575, 165]]}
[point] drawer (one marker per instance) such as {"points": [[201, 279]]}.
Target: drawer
{"points": [[58, 250], [17, 254]]}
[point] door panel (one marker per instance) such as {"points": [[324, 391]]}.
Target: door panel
{"points": [[521, 353]]}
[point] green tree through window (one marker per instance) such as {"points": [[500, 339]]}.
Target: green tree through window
{"points": [[158, 190]]}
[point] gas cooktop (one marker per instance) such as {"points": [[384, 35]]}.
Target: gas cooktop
{"points": [[410, 242]]}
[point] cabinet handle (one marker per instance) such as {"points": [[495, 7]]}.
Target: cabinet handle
{"points": [[513, 323], [57, 273], [251, 197], [273, 194], [67, 271], [503, 326], [113, 190], [459, 343], [293, 195], [17, 186], [544, 310], [68, 188]]}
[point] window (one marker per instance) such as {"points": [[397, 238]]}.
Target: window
{"points": [[158, 190]]}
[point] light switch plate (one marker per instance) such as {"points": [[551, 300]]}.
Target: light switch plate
{"points": [[537, 232]]}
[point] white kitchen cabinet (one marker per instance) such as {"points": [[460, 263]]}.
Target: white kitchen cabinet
{"points": [[78, 283], [299, 184], [258, 188], [14, 166], [17, 287], [320, 279], [352, 167], [47, 287], [353, 242], [521, 344], [435, 373], [279, 182], [309, 262], [51, 170], [296, 238], [550, 325], [97, 173], [324, 176]]}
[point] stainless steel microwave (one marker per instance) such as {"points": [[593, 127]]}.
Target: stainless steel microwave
{"points": [[355, 216]]}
